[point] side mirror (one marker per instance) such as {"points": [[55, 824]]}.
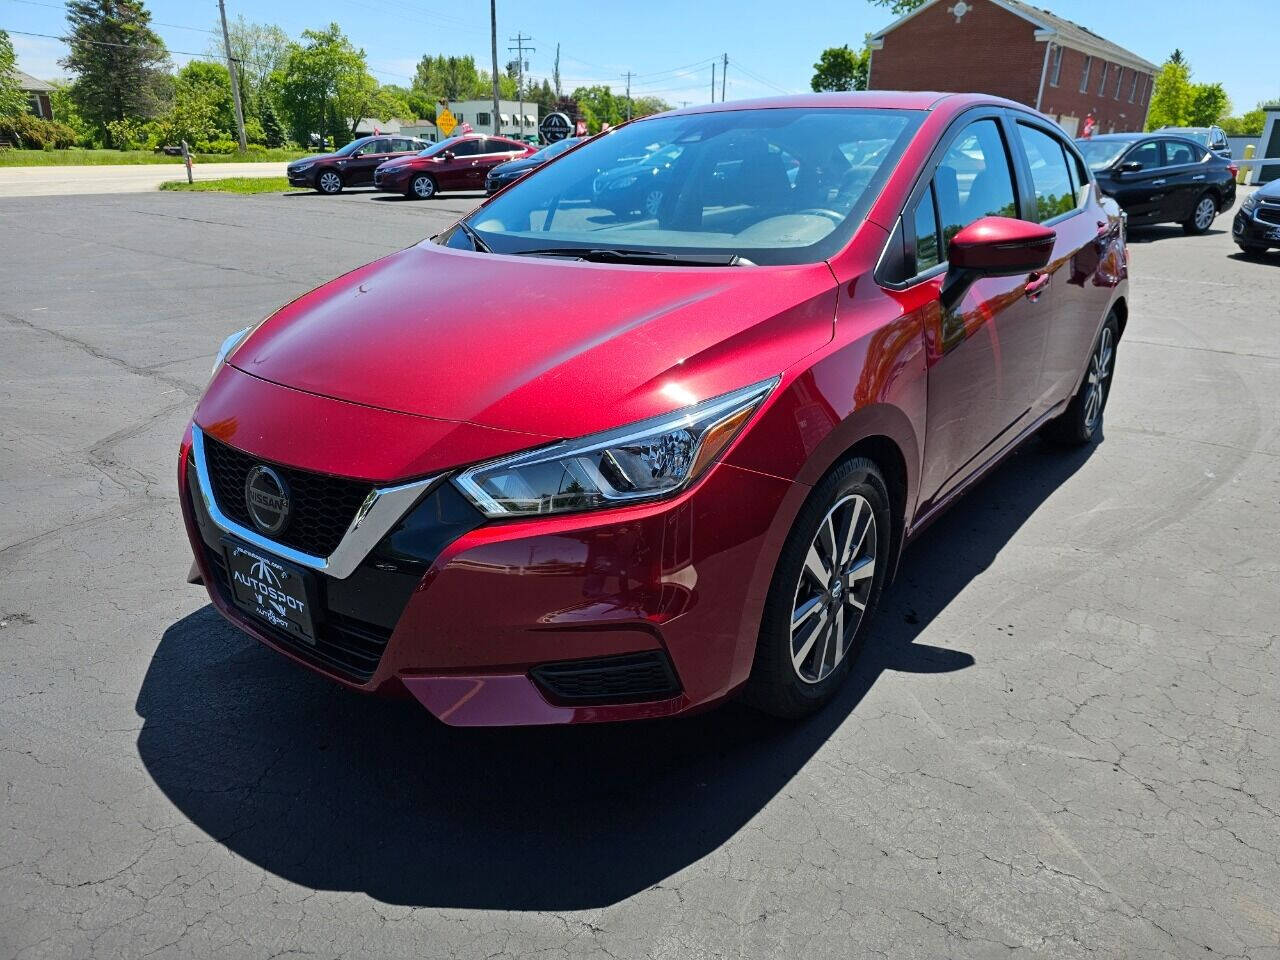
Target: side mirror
{"points": [[994, 247], [1131, 166]]}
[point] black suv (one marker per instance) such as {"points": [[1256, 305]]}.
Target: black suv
{"points": [[1159, 178]]}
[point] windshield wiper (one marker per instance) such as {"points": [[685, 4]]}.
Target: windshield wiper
{"points": [[652, 257], [480, 245]]}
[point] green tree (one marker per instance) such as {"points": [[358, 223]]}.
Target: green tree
{"points": [[62, 100], [840, 68], [1171, 96], [598, 105], [209, 84], [440, 77], [1248, 124], [643, 106], [272, 128], [12, 100], [898, 7], [1209, 102], [260, 49], [121, 65], [324, 86]]}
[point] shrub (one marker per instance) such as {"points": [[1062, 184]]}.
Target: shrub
{"points": [[33, 133], [220, 145], [126, 134]]}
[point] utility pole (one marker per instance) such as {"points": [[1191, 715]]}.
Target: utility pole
{"points": [[493, 42], [519, 48], [724, 73], [235, 79], [713, 81], [628, 94], [556, 75]]}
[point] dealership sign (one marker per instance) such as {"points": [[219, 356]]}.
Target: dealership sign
{"points": [[555, 126]]}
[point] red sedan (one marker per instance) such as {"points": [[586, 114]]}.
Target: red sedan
{"points": [[459, 163], [686, 467]]}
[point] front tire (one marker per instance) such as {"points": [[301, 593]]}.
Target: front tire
{"points": [[1082, 420], [422, 187], [825, 590], [1253, 251], [329, 182], [1202, 215]]}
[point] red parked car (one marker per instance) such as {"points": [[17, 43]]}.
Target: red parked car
{"points": [[686, 466], [349, 166], [459, 163]]}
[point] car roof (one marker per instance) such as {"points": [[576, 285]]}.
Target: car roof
{"points": [[1121, 137], [866, 99]]}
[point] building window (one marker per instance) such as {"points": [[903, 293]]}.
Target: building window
{"points": [[1084, 77], [1102, 80], [1056, 72], [1119, 81], [1133, 90], [482, 119]]}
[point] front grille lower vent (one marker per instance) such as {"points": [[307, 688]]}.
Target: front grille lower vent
{"points": [[322, 507], [623, 679]]}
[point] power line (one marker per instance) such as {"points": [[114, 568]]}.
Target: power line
{"points": [[158, 23]]}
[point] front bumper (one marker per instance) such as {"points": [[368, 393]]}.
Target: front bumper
{"points": [[393, 181], [305, 178], [470, 631], [1252, 230]]}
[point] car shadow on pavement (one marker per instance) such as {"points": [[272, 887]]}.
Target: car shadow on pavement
{"points": [[1149, 233], [336, 791]]}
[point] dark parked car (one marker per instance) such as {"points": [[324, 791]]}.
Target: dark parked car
{"points": [[513, 170], [1158, 178], [350, 166], [1257, 224], [683, 464], [459, 163], [1213, 137]]}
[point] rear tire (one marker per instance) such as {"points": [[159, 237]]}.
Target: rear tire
{"points": [[422, 187], [1202, 214], [1081, 421], [329, 182], [824, 592]]}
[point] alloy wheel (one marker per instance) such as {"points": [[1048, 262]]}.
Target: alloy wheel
{"points": [[834, 588], [1205, 211], [1099, 375], [424, 187], [652, 202], [330, 182]]}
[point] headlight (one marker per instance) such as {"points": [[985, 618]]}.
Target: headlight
{"points": [[621, 183], [305, 165], [1250, 203], [643, 461], [228, 345]]}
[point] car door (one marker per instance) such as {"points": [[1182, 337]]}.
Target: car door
{"points": [[493, 152], [1141, 193], [362, 163], [1057, 195], [455, 172], [1185, 176], [984, 354]]}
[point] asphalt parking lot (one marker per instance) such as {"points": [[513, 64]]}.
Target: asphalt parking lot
{"points": [[1062, 741]]}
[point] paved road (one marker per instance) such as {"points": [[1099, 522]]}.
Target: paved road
{"points": [[1063, 741], [125, 178]]}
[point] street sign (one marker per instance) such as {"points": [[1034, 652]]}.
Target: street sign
{"points": [[555, 126], [445, 122]]}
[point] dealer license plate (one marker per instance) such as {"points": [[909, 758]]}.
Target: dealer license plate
{"points": [[270, 590]]}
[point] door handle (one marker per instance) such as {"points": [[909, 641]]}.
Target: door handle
{"points": [[1157, 183], [1036, 286], [1198, 176]]}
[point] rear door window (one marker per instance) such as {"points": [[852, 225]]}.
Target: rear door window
{"points": [[974, 180], [1180, 152], [1047, 159]]}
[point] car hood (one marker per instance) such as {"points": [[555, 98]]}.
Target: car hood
{"points": [[1270, 191], [519, 165], [540, 345], [313, 157]]}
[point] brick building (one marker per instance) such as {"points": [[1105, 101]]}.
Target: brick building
{"points": [[1012, 49], [37, 94]]}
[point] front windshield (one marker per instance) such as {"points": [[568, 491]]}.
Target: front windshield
{"points": [[351, 147], [435, 148], [774, 186], [1100, 154]]}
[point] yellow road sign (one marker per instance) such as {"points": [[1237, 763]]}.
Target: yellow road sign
{"points": [[445, 122]]}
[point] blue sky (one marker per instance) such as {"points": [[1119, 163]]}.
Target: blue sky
{"points": [[669, 44]]}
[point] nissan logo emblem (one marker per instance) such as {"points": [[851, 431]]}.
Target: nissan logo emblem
{"points": [[267, 498]]}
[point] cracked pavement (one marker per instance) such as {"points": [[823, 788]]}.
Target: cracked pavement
{"points": [[1062, 740]]}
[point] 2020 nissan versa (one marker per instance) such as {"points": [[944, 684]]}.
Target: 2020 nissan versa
{"points": [[685, 467]]}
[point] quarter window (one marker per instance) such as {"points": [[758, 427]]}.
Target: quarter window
{"points": [[973, 180], [1055, 194], [926, 222]]}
